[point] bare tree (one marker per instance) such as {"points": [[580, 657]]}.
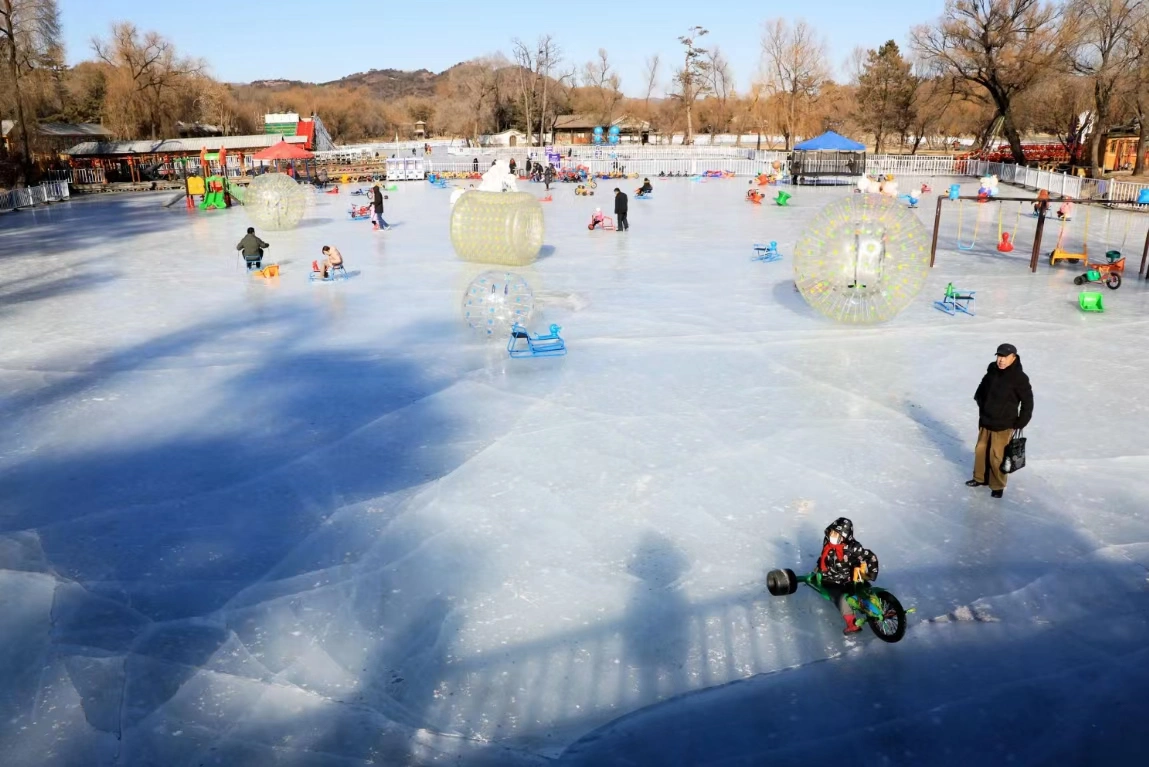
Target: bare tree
{"points": [[150, 72], [721, 85], [601, 78], [526, 60], [795, 67], [1138, 88], [1104, 54], [1001, 48], [549, 57], [692, 79], [650, 78], [29, 39]]}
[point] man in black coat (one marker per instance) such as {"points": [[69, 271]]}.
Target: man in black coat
{"points": [[377, 208], [620, 206], [1005, 403]]}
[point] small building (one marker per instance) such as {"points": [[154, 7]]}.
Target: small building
{"points": [[510, 137], [579, 129], [53, 137], [1120, 148], [147, 160], [291, 124], [420, 129]]}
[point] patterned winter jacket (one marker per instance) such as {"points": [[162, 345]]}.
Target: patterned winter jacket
{"points": [[837, 563]]}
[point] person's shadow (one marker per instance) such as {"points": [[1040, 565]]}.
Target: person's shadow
{"points": [[656, 631]]}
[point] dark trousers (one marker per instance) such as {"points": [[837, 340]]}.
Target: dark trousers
{"points": [[622, 224]]}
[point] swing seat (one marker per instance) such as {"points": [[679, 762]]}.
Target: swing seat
{"points": [[767, 253], [1063, 255], [523, 344], [1114, 256], [1090, 302], [956, 301]]}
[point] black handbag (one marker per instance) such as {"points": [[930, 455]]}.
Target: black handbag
{"points": [[1014, 458]]}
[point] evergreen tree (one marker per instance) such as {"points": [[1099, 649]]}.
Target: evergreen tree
{"points": [[885, 93]]}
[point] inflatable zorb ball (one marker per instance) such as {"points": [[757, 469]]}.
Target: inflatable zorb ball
{"points": [[863, 259], [275, 201], [495, 301], [497, 227]]}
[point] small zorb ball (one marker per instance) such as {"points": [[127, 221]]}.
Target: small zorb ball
{"points": [[275, 201], [495, 301], [862, 260]]}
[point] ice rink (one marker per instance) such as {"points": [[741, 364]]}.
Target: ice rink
{"points": [[284, 523]]}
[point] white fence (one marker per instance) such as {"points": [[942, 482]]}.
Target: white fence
{"points": [[26, 197], [1057, 183]]}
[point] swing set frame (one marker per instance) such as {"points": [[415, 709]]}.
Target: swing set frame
{"points": [[1042, 217]]}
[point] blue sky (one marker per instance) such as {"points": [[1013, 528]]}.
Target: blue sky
{"points": [[309, 42]]}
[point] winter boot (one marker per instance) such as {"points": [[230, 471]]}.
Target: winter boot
{"points": [[852, 626], [997, 493]]}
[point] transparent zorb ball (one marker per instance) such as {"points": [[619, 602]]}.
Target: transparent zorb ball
{"points": [[495, 301], [863, 259], [275, 201]]}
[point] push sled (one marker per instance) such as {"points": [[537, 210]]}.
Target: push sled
{"points": [[872, 605], [523, 344], [333, 273], [955, 301], [766, 252]]}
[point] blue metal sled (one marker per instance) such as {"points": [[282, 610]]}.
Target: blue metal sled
{"points": [[766, 253], [548, 345], [956, 301]]}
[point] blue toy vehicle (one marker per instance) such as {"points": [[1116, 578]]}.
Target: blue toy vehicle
{"points": [[523, 344], [871, 604]]}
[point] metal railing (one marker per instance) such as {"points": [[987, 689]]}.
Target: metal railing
{"points": [[1061, 184], [26, 197]]}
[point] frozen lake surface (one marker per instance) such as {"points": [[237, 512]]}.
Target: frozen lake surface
{"points": [[283, 523]]}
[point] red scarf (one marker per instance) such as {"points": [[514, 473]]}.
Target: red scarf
{"points": [[826, 550]]}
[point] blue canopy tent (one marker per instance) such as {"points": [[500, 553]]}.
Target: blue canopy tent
{"points": [[827, 159]]}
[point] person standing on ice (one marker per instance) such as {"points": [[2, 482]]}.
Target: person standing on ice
{"points": [[1005, 403], [377, 208], [620, 205], [252, 248]]}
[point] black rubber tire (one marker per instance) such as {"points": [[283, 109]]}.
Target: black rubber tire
{"points": [[894, 611], [1078, 280], [781, 583], [1113, 281]]}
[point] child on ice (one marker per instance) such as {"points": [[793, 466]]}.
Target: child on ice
{"points": [[596, 219], [843, 563]]}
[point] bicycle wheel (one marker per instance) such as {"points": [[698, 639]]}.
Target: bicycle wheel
{"points": [[892, 627], [1113, 281]]}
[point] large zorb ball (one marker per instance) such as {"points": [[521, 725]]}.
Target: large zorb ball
{"points": [[275, 201], [495, 301], [497, 227], [863, 259]]}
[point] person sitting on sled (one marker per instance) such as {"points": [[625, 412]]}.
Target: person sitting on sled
{"points": [[331, 259], [844, 563], [646, 188], [596, 219], [1065, 211]]}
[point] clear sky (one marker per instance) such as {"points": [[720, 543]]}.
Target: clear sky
{"points": [[320, 40]]}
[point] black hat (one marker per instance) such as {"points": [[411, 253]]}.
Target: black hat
{"points": [[1006, 349]]}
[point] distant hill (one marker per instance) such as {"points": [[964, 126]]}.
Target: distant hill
{"points": [[387, 84]]}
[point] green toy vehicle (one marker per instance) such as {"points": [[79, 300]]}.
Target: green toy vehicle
{"points": [[871, 604]]}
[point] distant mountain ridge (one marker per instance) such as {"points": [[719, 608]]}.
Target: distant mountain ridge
{"points": [[384, 83]]}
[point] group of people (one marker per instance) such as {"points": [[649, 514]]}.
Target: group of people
{"points": [[251, 247]]}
